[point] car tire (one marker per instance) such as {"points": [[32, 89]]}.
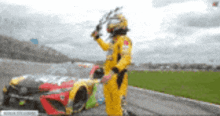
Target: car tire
{"points": [[6, 100], [6, 97], [80, 100]]}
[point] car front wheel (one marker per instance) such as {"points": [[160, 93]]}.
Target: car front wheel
{"points": [[80, 100]]}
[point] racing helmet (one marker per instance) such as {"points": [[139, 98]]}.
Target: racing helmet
{"points": [[117, 22]]}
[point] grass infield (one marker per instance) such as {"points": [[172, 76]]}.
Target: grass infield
{"points": [[203, 86]]}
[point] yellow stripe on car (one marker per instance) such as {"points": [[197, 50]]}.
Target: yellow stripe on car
{"points": [[16, 80], [4, 89], [69, 110], [76, 87]]}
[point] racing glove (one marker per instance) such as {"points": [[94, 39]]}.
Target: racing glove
{"points": [[95, 34], [108, 77]]}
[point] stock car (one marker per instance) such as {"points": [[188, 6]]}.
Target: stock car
{"points": [[54, 94]]}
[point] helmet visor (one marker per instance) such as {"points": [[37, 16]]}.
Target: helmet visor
{"points": [[114, 21]]}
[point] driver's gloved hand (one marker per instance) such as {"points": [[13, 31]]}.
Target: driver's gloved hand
{"points": [[95, 34]]}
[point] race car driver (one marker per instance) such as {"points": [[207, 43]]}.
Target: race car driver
{"points": [[118, 59]]}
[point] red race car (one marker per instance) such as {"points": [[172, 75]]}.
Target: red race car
{"points": [[58, 92]]}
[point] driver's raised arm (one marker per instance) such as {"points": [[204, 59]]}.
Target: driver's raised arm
{"points": [[102, 44]]}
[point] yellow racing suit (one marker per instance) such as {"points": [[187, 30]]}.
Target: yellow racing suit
{"points": [[119, 57]]}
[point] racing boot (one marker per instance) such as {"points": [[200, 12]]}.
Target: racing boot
{"points": [[123, 104], [124, 110], [123, 101]]}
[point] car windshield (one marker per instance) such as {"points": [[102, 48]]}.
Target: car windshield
{"points": [[76, 69]]}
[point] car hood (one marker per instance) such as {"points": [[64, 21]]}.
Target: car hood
{"points": [[52, 78], [47, 82]]}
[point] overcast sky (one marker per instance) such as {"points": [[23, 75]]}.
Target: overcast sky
{"points": [[162, 31]]}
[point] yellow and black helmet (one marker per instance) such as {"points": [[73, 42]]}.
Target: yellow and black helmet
{"points": [[117, 22]]}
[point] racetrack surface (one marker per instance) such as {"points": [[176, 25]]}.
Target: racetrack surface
{"points": [[143, 102]]}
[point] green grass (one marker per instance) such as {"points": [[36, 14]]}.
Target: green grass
{"points": [[203, 86]]}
